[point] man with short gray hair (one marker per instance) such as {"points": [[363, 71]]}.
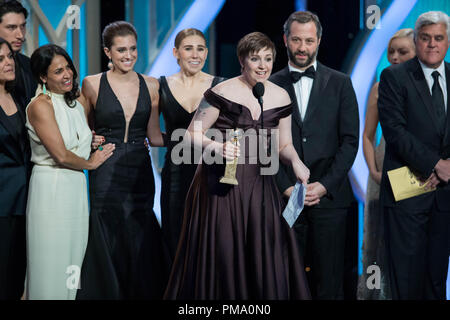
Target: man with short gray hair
{"points": [[413, 110]]}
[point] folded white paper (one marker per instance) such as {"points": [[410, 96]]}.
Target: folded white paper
{"points": [[295, 204]]}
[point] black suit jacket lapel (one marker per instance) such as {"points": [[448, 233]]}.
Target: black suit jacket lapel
{"points": [[418, 77], [320, 81], [289, 86], [447, 122]]}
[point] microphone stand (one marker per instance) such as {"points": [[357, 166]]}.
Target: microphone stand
{"points": [[263, 207]]}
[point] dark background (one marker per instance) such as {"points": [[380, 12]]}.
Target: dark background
{"points": [[340, 25]]}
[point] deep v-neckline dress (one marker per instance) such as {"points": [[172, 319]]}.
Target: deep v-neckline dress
{"points": [[124, 257], [175, 178]]}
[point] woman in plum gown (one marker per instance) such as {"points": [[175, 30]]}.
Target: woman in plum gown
{"points": [[229, 248]]}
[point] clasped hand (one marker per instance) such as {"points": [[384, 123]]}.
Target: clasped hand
{"points": [[441, 174], [442, 170], [314, 191]]}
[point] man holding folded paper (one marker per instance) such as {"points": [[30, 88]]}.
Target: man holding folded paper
{"points": [[413, 100]]}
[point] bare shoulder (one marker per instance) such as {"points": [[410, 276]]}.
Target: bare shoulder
{"points": [[40, 107], [282, 96], [209, 78], [151, 82], [91, 83], [227, 87], [92, 80], [152, 86]]}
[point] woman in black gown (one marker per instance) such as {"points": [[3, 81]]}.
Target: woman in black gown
{"points": [[179, 95], [228, 249], [124, 258], [15, 169]]}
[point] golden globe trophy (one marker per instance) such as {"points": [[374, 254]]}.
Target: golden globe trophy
{"points": [[230, 167]]}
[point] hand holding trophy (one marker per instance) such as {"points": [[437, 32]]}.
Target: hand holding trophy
{"points": [[230, 168]]}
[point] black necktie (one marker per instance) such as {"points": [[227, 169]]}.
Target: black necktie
{"points": [[310, 72], [438, 101]]}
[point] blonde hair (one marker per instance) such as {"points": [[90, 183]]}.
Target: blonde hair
{"points": [[403, 33]]}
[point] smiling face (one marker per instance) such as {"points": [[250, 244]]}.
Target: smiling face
{"points": [[123, 53], [302, 44], [401, 49], [6, 64], [59, 77], [191, 54], [432, 44], [257, 66], [13, 29]]}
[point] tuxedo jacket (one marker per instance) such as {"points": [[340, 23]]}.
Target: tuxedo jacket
{"points": [[410, 129], [25, 87], [327, 138], [15, 166]]}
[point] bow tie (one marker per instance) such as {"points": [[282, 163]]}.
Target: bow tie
{"points": [[310, 72]]}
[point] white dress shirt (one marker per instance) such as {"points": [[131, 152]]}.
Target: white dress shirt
{"points": [[303, 89], [442, 80]]}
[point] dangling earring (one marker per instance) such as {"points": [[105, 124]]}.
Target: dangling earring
{"points": [[110, 64], [44, 91]]}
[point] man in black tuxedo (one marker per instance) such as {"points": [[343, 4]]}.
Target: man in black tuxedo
{"points": [[13, 28], [412, 103], [325, 133]]}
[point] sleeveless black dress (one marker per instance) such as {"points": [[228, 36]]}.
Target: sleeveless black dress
{"points": [[228, 250], [124, 257], [175, 178]]}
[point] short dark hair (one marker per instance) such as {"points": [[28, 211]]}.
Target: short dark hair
{"points": [[302, 17], [41, 59], [253, 42], [9, 85], [8, 6], [117, 29]]}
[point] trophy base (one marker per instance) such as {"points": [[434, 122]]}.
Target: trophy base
{"points": [[229, 181]]}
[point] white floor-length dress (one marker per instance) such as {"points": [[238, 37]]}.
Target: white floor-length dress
{"points": [[57, 210]]}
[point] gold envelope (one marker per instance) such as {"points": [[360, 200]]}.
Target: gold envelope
{"points": [[405, 184]]}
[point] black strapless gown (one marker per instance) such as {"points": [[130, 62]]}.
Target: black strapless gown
{"points": [[124, 257], [226, 249], [175, 178]]}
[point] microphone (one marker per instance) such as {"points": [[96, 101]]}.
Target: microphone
{"points": [[258, 92]]}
